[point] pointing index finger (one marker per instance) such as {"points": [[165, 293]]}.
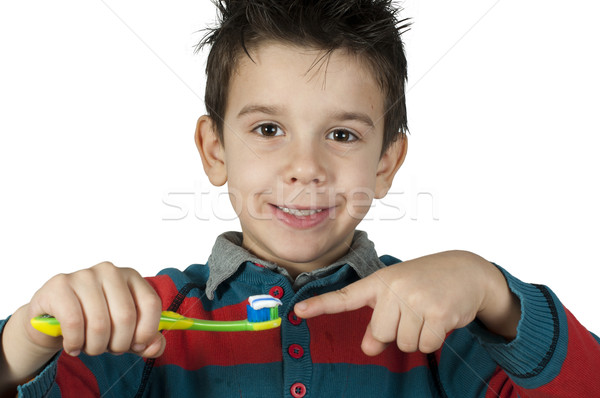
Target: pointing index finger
{"points": [[349, 298]]}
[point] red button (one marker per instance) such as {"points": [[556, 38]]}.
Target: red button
{"points": [[276, 291], [298, 390], [294, 319], [296, 351]]}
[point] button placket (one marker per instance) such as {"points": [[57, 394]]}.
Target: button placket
{"points": [[297, 363]]}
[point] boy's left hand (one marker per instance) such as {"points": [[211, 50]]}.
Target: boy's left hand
{"points": [[417, 302]]}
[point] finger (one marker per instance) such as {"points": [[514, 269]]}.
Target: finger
{"points": [[371, 346], [72, 324], [122, 312], [148, 305], [95, 312], [384, 321], [409, 330], [155, 348], [432, 337], [68, 313], [349, 298]]}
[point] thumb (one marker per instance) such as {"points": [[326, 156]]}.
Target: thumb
{"points": [[156, 348], [370, 345], [349, 298]]}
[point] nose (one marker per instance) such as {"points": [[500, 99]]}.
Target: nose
{"points": [[305, 165]]}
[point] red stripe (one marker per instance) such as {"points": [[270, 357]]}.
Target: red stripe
{"points": [[165, 288], [334, 339], [500, 385], [337, 338], [74, 379], [579, 373], [193, 350]]}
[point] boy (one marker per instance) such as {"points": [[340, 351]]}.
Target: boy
{"points": [[306, 125]]}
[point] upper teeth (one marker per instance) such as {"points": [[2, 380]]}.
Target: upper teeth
{"points": [[297, 212]]}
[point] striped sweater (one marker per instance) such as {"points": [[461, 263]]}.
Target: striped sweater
{"points": [[552, 356]]}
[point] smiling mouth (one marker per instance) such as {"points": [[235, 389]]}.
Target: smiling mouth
{"points": [[298, 212]]}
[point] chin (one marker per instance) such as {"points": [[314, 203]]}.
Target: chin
{"points": [[302, 252], [299, 254]]}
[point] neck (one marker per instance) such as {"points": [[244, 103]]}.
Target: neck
{"points": [[295, 268]]}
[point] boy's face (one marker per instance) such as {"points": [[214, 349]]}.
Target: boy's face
{"points": [[301, 153]]}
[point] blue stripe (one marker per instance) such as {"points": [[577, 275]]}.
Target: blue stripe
{"points": [[257, 380], [249, 281], [347, 380], [264, 380], [248, 381], [596, 337], [465, 368], [117, 375]]}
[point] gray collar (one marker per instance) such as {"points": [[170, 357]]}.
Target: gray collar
{"points": [[228, 255]]}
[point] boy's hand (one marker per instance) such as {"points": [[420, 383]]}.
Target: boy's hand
{"points": [[100, 309], [417, 302]]}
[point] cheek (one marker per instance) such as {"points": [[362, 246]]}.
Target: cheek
{"points": [[360, 174], [359, 201], [247, 183], [359, 191]]}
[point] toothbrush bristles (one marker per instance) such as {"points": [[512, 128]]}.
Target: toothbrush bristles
{"points": [[262, 315]]}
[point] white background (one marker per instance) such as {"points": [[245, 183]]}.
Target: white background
{"points": [[99, 99]]}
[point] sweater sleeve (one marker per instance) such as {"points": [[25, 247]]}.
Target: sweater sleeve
{"points": [[84, 376], [42, 384], [553, 355], [95, 376]]}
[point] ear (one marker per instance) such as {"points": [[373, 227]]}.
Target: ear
{"points": [[211, 151], [389, 164]]}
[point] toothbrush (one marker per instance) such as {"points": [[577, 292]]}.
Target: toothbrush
{"points": [[262, 312]]}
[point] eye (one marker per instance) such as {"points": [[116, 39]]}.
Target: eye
{"points": [[268, 130], [342, 135]]}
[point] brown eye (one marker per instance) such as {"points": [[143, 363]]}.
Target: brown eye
{"points": [[341, 135], [269, 130]]}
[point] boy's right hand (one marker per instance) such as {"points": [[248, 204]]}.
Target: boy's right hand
{"points": [[100, 309]]}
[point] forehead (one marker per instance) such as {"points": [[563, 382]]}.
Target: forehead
{"points": [[285, 74]]}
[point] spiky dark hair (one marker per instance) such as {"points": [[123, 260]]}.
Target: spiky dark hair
{"points": [[368, 28]]}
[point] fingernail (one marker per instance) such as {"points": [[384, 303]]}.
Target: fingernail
{"points": [[153, 348], [138, 347], [301, 306], [74, 353]]}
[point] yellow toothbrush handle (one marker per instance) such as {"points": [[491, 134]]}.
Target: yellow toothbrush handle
{"points": [[169, 320], [47, 324], [173, 321]]}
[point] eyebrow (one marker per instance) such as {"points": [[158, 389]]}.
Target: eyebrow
{"points": [[269, 110], [358, 116], [339, 116]]}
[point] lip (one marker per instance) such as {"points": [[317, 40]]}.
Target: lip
{"points": [[301, 222], [295, 207]]}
